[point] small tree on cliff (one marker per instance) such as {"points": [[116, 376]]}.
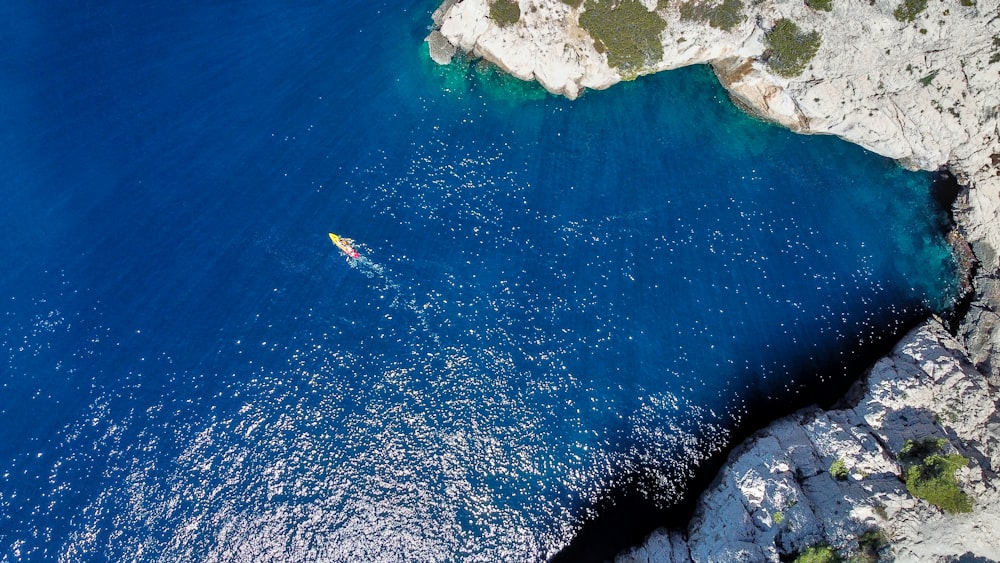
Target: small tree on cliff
{"points": [[790, 48]]}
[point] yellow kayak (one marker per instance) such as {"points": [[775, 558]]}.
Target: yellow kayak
{"points": [[344, 244]]}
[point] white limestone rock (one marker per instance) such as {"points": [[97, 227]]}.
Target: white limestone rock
{"points": [[980, 329], [776, 496], [546, 44], [661, 545]]}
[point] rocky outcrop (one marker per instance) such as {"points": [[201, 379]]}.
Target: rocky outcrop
{"points": [[980, 329], [546, 45], [776, 495], [925, 92]]}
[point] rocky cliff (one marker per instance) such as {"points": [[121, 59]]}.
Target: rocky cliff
{"points": [[912, 80], [833, 477]]}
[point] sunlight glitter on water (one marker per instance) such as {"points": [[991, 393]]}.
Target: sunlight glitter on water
{"points": [[552, 298]]}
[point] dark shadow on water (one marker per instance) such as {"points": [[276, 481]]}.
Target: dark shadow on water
{"points": [[969, 557], [945, 190], [626, 514]]}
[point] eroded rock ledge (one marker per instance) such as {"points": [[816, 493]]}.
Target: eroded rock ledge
{"points": [[926, 93]]}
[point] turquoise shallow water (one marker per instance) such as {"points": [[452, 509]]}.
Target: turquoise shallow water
{"points": [[553, 297]]}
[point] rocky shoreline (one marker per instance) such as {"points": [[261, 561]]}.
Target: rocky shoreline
{"points": [[923, 90], [780, 492]]}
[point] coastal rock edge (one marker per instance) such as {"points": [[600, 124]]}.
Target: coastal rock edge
{"points": [[925, 92], [780, 493]]}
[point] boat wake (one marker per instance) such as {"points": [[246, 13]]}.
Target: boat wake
{"points": [[387, 283]]}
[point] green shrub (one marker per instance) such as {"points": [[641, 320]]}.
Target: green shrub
{"points": [[915, 451], [728, 15], [505, 12], [838, 470], [626, 31], [934, 481], [693, 11], [926, 80], [573, 3], [725, 15], [820, 553], [778, 518], [931, 476], [791, 49], [870, 544], [825, 5], [908, 10]]}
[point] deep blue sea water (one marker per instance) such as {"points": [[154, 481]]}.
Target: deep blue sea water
{"points": [[552, 295]]}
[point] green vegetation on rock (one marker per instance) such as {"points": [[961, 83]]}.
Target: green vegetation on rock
{"points": [[725, 15], [838, 470], [626, 31], [926, 80], [914, 451], [825, 5], [791, 49], [908, 10], [820, 553], [505, 12], [934, 481], [573, 3], [930, 475], [870, 546]]}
